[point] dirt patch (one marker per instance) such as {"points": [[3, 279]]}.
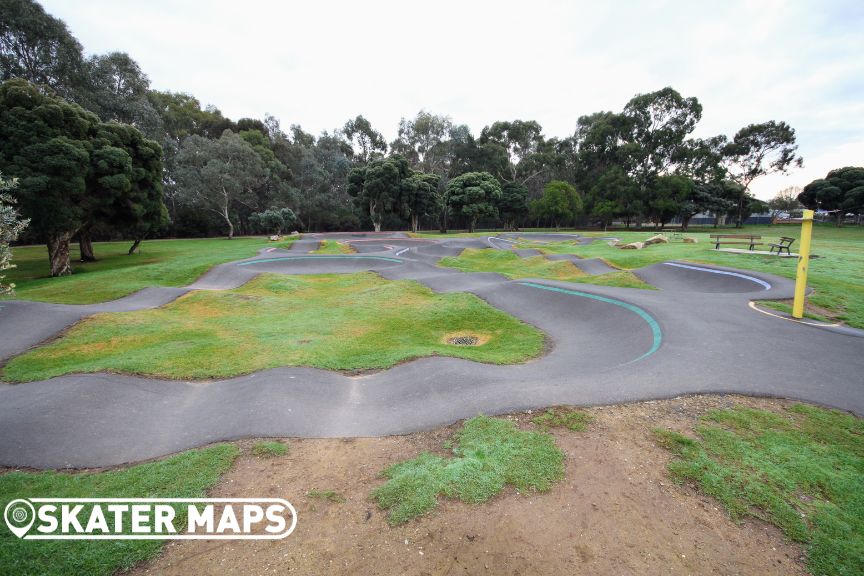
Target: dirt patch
{"points": [[616, 511]]}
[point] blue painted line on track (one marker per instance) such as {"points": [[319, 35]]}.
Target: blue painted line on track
{"points": [[762, 283], [656, 331], [334, 257]]}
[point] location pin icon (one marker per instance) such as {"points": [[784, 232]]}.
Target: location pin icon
{"points": [[19, 515]]}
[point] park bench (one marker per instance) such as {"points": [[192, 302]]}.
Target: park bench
{"points": [[749, 239], [784, 244]]}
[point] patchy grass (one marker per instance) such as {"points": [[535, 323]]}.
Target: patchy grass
{"points": [[837, 275], [802, 470], [786, 306], [270, 448], [512, 265], [334, 247], [186, 475], [328, 495], [335, 321], [572, 419], [488, 453], [116, 274]]}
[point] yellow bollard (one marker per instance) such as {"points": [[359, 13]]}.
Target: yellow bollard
{"points": [[803, 261]]}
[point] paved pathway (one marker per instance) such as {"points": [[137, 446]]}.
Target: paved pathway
{"points": [[694, 335]]}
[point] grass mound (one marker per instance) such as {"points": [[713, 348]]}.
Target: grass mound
{"points": [[512, 265], [333, 247], [802, 470], [186, 475], [336, 321], [488, 453]]}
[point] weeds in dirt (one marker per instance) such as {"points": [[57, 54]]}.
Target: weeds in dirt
{"points": [[328, 495], [488, 453], [802, 470], [572, 419], [270, 448]]}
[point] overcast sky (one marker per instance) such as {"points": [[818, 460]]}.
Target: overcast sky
{"points": [[319, 63]]}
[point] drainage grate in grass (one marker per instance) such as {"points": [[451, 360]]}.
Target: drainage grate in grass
{"points": [[464, 341]]}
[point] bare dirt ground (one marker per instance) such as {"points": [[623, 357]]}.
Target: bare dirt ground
{"points": [[616, 512]]}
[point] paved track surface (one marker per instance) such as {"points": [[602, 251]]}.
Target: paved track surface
{"points": [[694, 335]]}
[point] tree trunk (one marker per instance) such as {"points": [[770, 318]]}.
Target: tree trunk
{"points": [[685, 222], [414, 220], [58, 253], [471, 223], [841, 215], [739, 222], [228, 221], [85, 245], [134, 246]]}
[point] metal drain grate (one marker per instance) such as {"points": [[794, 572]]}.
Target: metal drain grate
{"points": [[463, 341]]}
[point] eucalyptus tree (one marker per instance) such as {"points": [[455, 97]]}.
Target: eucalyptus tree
{"points": [[425, 142], [366, 142], [653, 134], [515, 150], [37, 47], [758, 150], [117, 89], [220, 175]]}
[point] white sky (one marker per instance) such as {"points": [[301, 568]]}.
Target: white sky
{"points": [[319, 63]]}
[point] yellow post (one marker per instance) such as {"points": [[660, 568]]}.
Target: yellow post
{"points": [[803, 261]]}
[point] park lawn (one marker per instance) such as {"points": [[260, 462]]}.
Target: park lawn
{"points": [[801, 470], [837, 275], [512, 265], [333, 247], [186, 475], [117, 274], [336, 321]]}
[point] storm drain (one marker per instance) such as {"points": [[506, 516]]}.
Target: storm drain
{"points": [[464, 341]]}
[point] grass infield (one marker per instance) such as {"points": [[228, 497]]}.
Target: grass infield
{"points": [[336, 321]]}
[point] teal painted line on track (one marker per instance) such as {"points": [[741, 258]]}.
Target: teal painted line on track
{"points": [[656, 332], [322, 257]]}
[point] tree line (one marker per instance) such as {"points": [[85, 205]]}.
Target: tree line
{"points": [[98, 153]]}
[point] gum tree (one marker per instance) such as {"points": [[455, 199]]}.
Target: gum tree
{"points": [[758, 150]]}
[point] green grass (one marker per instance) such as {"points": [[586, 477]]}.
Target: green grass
{"points": [[570, 418], [336, 322], [328, 495], [488, 453], [186, 475], [116, 274], [512, 265], [837, 276], [270, 448], [333, 247], [802, 470]]}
